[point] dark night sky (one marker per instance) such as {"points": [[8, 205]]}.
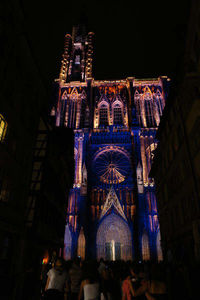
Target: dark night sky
{"points": [[132, 38]]}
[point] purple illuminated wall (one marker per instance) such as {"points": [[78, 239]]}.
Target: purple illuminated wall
{"points": [[112, 209]]}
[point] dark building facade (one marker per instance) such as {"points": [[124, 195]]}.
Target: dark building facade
{"points": [[112, 210], [176, 161], [176, 170], [32, 218]]}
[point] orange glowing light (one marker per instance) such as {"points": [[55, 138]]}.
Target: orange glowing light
{"points": [[45, 261]]}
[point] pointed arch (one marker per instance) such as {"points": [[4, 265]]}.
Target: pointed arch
{"points": [[74, 91], [103, 104], [67, 243], [103, 108], [147, 92], [118, 103], [114, 230], [83, 94], [64, 95], [112, 200], [158, 246], [158, 93], [81, 244], [145, 246], [148, 105], [136, 95]]}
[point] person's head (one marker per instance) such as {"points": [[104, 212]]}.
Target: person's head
{"points": [[59, 264]]}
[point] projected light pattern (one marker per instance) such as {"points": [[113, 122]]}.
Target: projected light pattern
{"points": [[113, 200], [114, 230], [112, 166]]}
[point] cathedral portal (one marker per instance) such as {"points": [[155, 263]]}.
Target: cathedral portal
{"points": [[113, 239]]}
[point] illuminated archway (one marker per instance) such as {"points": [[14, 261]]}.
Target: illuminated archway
{"points": [[81, 244], [113, 239]]}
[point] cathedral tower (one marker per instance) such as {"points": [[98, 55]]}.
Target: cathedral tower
{"points": [[112, 211]]}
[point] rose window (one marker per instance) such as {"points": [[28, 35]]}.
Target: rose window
{"points": [[112, 165]]}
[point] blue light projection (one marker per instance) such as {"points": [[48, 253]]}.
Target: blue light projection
{"points": [[112, 211]]}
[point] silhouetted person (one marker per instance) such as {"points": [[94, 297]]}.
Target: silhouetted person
{"points": [[90, 285], [75, 278], [152, 288], [56, 282]]}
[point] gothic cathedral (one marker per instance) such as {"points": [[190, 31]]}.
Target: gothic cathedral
{"points": [[112, 210]]}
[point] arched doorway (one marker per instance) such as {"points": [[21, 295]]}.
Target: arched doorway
{"points": [[113, 239]]}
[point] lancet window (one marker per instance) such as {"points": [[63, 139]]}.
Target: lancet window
{"points": [[117, 114], [148, 102], [149, 113], [103, 115], [137, 104], [159, 102]]}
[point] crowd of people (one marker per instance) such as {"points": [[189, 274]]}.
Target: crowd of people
{"points": [[103, 280]]}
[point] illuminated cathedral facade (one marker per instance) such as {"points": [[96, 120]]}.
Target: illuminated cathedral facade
{"points": [[112, 210]]}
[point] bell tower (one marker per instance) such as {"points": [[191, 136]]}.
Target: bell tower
{"points": [[78, 56]]}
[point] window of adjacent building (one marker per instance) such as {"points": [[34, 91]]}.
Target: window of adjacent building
{"points": [[117, 112], [103, 115], [3, 128]]}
